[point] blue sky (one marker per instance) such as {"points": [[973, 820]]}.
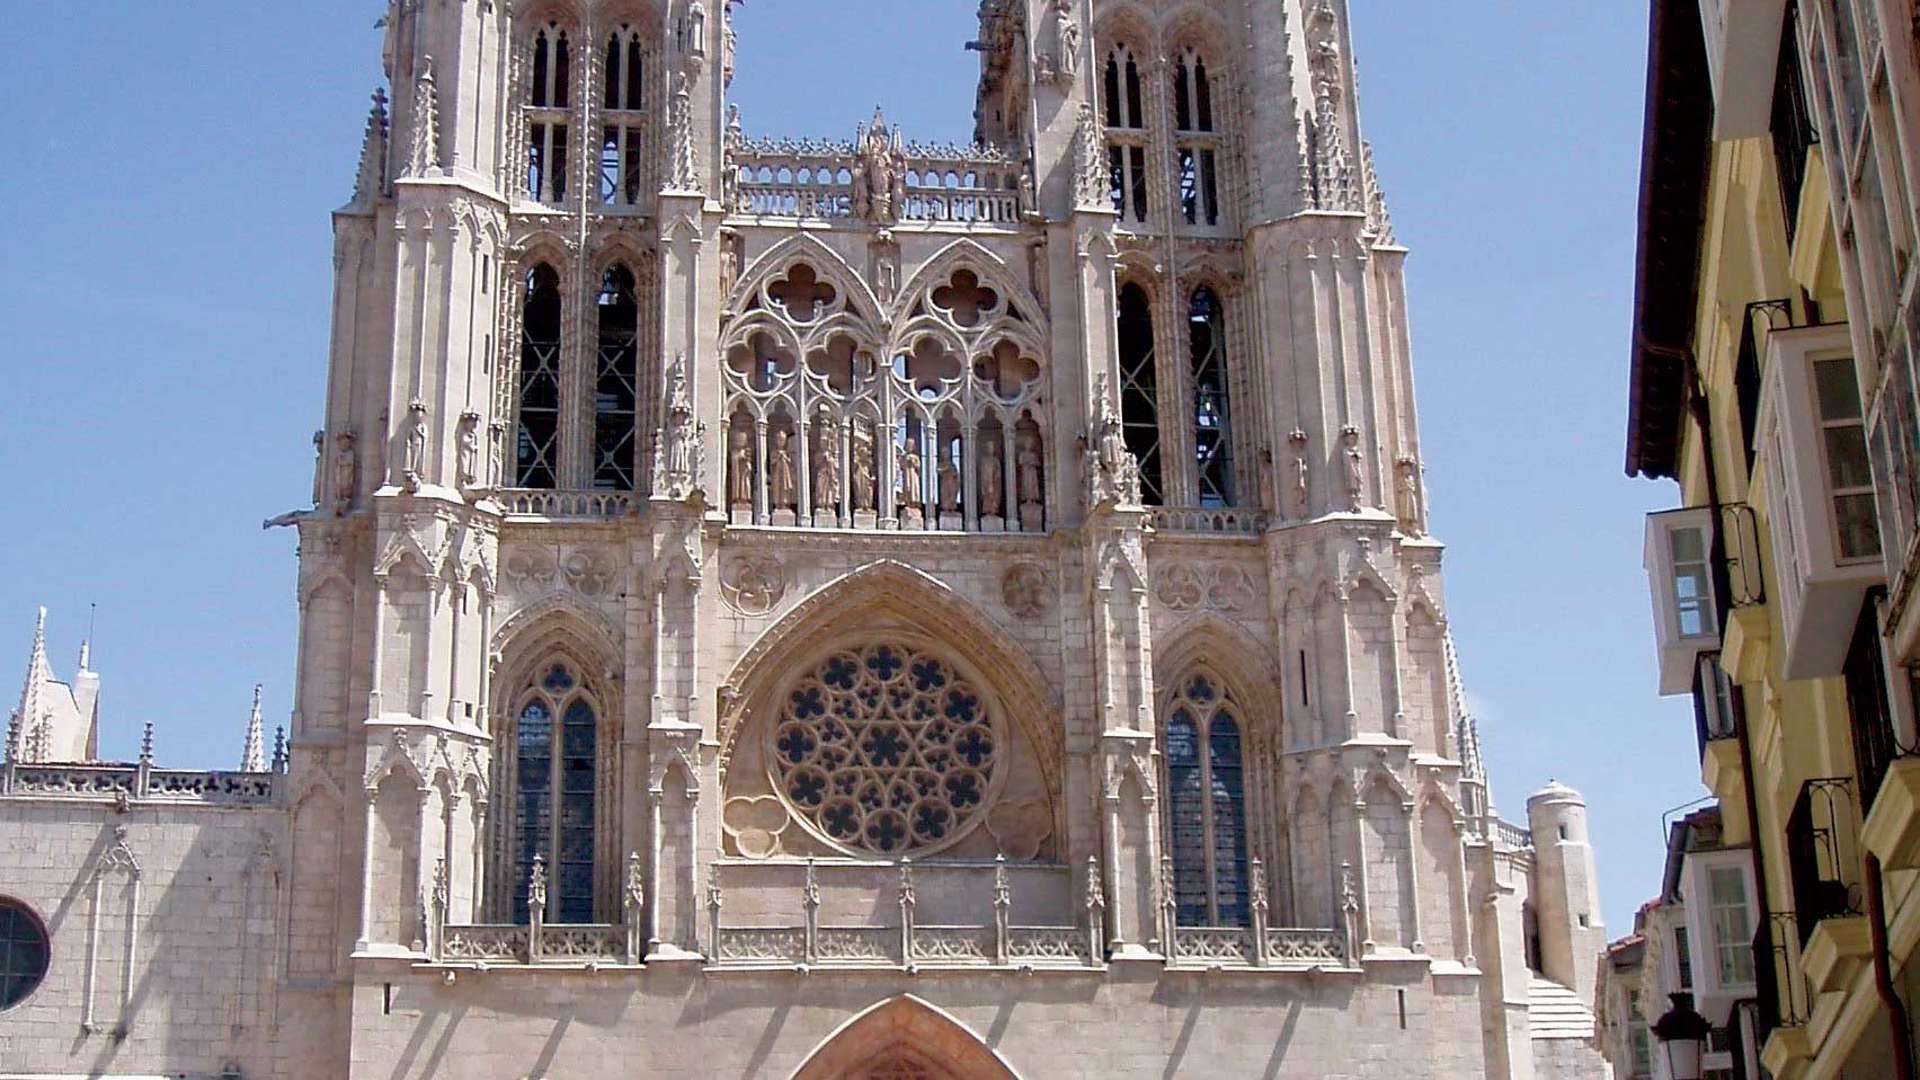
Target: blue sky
{"points": [[166, 292]]}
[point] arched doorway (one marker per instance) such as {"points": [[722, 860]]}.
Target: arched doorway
{"points": [[904, 1039]]}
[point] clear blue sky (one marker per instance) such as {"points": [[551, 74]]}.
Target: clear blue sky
{"points": [[165, 297]]}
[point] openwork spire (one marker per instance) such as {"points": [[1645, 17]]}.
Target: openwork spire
{"points": [[371, 181], [30, 718], [1473, 773], [253, 758], [1379, 220]]}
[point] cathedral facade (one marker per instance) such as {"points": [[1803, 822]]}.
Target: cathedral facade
{"points": [[837, 608]]}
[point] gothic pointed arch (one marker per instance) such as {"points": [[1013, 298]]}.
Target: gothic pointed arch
{"points": [[993, 272], [823, 260], [904, 1037], [886, 691]]}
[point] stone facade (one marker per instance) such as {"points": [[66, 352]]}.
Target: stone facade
{"points": [[807, 608]]}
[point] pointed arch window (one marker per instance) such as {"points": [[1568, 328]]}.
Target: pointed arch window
{"points": [[1207, 827], [617, 389], [1212, 432], [1126, 135], [556, 750], [1139, 390], [622, 147], [537, 444], [549, 78], [1196, 142]]}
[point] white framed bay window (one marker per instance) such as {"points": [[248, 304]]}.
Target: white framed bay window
{"points": [[1818, 494], [1686, 610]]}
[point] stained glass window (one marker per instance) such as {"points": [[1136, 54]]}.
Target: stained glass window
{"points": [[1207, 827], [556, 745], [24, 953]]}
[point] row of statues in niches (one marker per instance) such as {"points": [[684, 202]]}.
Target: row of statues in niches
{"points": [[938, 476]]}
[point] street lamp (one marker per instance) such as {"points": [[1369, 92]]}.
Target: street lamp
{"points": [[1684, 1033]]}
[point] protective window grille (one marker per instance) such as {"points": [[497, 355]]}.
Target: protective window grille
{"points": [[537, 443], [1207, 811], [622, 146], [1139, 389], [549, 77], [1212, 433], [556, 745], [24, 953], [1196, 153], [617, 387]]}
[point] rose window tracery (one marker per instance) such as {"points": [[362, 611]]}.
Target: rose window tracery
{"points": [[886, 750]]}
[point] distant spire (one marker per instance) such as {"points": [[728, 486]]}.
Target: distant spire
{"points": [[31, 706], [1473, 766], [371, 181], [253, 759], [146, 744]]}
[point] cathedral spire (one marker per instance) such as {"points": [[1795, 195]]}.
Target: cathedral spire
{"points": [[31, 705], [253, 758], [371, 180]]}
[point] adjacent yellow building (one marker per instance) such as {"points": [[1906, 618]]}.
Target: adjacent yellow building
{"points": [[1760, 380]]}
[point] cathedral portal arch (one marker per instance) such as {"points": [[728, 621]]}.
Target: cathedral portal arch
{"points": [[904, 1038]]}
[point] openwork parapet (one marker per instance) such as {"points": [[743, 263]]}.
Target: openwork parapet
{"points": [[137, 782]]}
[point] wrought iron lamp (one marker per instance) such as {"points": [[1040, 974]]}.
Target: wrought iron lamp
{"points": [[1684, 1033]]}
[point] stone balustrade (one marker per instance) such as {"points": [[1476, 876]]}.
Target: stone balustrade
{"points": [[813, 180], [1214, 521], [544, 505], [143, 783], [1510, 836]]}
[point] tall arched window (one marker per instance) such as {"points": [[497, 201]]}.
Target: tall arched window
{"points": [[538, 441], [616, 393], [1139, 389], [1126, 135], [621, 146], [1212, 435], [556, 735], [549, 77], [1207, 833], [1196, 143]]}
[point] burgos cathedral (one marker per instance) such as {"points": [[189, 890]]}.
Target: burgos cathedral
{"points": [[835, 607]]}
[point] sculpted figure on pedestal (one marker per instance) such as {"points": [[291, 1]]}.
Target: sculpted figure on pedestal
{"points": [[780, 480], [740, 475], [992, 468], [910, 478], [414, 467]]}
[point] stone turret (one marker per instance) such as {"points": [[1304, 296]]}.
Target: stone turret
{"points": [[1566, 888]]}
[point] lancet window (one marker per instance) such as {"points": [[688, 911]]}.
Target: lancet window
{"points": [[622, 132], [1126, 134], [833, 423], [616, 395], [549, 78], [1212, 433], [1140, 390], [554, 773], [1196, 144], [1207, 808], [537, 443]]}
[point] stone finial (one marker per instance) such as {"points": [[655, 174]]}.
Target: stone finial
{"points": [[146, 744], [423, 137], [253, 758], [1091, 183], [279, 764], [370, 182]]}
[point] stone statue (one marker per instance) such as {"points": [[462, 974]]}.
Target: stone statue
{"points": [[346, 473], [1299, 493], [1027, 462], [319, 464], [879, 174], [469, 462], [740, 476], [861, 472], [674, 458], [414, 469], [780, 470], [1356, 468], [1066, 41], [1413, 515], [1113, 473], [496, 448], [949, 486], [826, 464], [992, 476], [910, 478]]}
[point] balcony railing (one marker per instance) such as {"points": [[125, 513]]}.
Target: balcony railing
{"points": [[813, 179], [1510, 836], [1781, 983], [1216, 521], [1762, 316], [550, 505], [1823, 854]]}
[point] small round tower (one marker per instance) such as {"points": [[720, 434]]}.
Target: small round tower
{"points": [[1565, 888]]}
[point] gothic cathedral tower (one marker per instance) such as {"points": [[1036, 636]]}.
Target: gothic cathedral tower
{"points": [[733, 555]]}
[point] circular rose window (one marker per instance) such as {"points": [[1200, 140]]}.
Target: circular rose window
{"points": [[885, 750], [24, 953]]}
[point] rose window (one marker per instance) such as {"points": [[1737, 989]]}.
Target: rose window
{"points": [[886, 750]]}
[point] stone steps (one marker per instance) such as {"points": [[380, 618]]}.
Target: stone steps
{"points": [[1555, 1012]]}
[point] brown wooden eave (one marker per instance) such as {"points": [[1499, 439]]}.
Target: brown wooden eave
{"points": [[1673, 189]]}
